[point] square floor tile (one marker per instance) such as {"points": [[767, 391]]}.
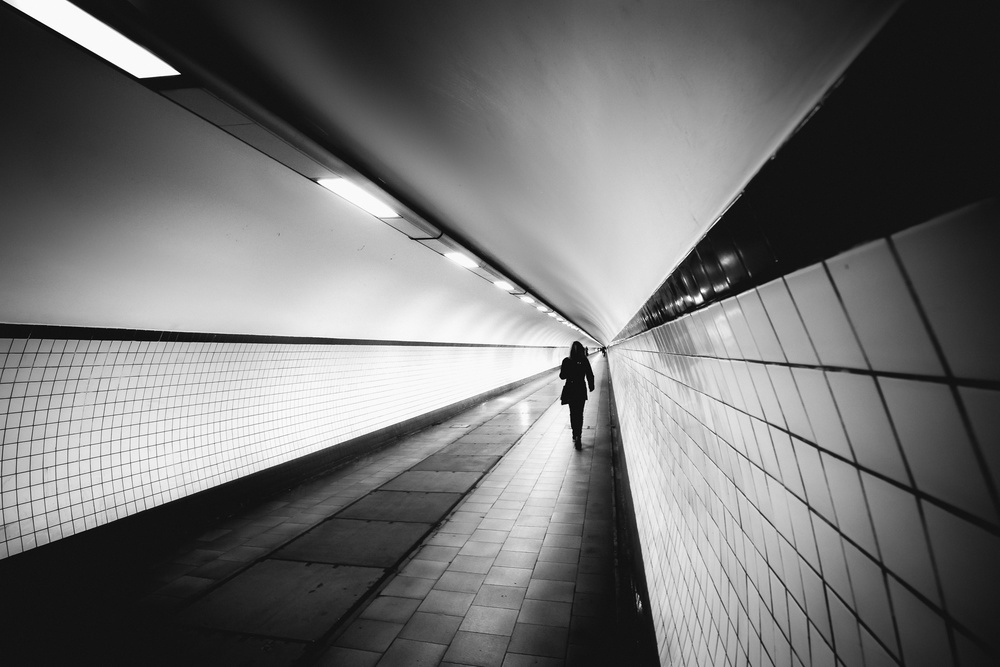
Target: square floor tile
{"points": [[462, 582], [481, 650], [369, 635], [539, 640], [410, 653], [545, 612], [447, 602], [546, 589], [522, 559], [474, 564], [391, 609], [489, 620], [505, 597], [435, 628], [508, 576], [409, 587]]}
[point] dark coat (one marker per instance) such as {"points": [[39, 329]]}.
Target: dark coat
{"points": [[578, 375]]}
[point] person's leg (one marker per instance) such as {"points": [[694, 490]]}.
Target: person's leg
{"points": [[576, 419]]}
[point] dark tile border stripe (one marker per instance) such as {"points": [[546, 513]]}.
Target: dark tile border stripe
{"points": [[67, 332]]}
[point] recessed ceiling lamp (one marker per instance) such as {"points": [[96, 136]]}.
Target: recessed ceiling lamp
{"points": [[542, 309], [504, 285], [526, 299], [357, 196], [461, 260], [73, 23]]}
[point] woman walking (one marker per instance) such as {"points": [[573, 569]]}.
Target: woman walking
{"points": [[579, 375]]}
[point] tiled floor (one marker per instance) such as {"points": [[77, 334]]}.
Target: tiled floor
{"points": [[434, 551]]}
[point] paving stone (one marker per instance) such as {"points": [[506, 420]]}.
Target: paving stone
{"points": [[489, 620], [410, 653], [390, 609], [539, 640], [462, 582], [339, 656], [427, 569], [447, 602], [429, 627], [409, 587], [473, 648], [196, 647], [522, 559], [457, 462], [369, 635], [508, 576], [433, 481], [546, 589], [504, 597], [354, 542], [283, 599], [401, 506], [545, 612], [474, 449], [474, 564]]}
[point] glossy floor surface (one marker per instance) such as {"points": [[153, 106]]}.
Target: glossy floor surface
{"points": [[484, 540]]}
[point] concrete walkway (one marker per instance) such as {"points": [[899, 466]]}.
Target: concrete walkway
{"points": [[484, 540]]}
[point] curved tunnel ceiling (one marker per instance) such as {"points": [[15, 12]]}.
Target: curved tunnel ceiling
{"points": [[121, 209], [581, 147]]}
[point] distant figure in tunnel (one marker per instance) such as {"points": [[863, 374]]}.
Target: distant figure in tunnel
{"points": [[579, 375]]}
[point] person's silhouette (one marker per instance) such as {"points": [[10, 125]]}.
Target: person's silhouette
{"points": [[579, 376]]}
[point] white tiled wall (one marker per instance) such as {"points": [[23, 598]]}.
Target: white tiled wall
{"points": [[815, 463], [95, 430]]}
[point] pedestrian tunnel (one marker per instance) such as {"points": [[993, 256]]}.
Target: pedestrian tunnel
{"points": [[251, 418]]}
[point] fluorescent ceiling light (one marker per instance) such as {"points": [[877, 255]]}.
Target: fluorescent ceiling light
{"points": [[72, 22], [504, 285], [357, 196], [526, 299], [542, 308], [461, 260]]}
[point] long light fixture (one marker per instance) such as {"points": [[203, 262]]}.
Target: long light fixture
{"points": [[359, 197], [72, 22], [504, 285], [461, 260]]}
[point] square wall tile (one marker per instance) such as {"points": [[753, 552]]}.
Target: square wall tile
{"points": [[849, 501], [816, 485], [902, 541], [824, 318], [740, 327], [822, 411], [936, 444], [761, 329], [966, 556], [871, 596], [922, 630], [882, 311], [787, 322], [790, 402], [867, 423], [983, 408], [952, 264]]}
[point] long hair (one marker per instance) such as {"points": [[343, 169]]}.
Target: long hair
{"points": [[577, 351]]}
